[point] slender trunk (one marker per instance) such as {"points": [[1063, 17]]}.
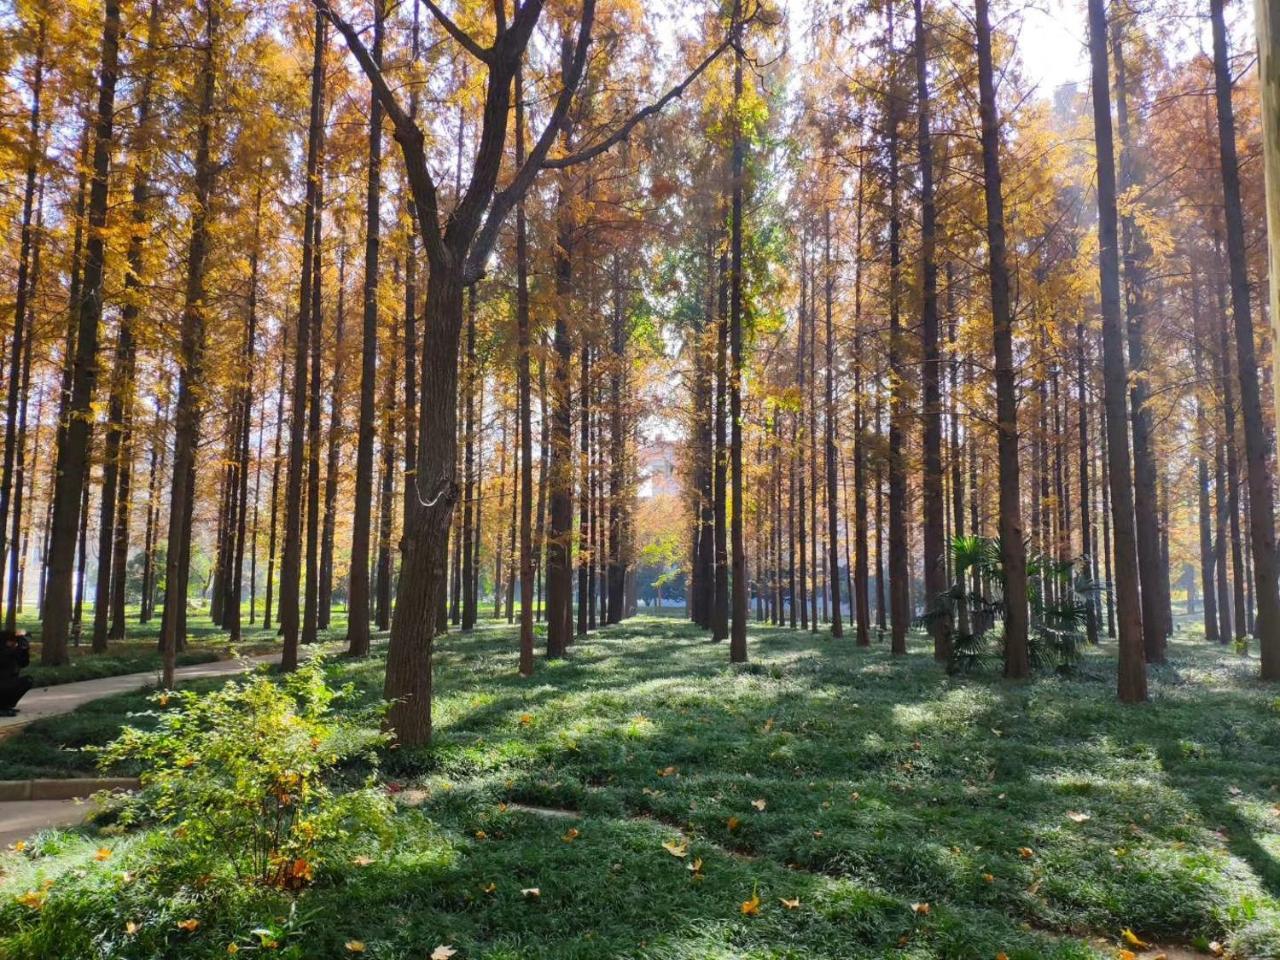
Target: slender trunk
{"points": [[311, 602], [191, 381], [275, 482], [829, 416], [524, 389], [1266, 564], [291, 559], [1132, 674], [738, 633], [720, 469], [1013, 560], [333, 454], [71, 471]]}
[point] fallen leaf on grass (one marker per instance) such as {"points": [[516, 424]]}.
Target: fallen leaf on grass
{"points": [[920, 908], [1132, 939], [1215, 948], [526, 719], [354, 946], [1076, 817], [103, 853], [792, 904], [533, 893], [362, 861], [190, 925], [759, 804], [989, 878], [442, 952], [668, 771], [1126, 955], [751, 908], [571, 835], [1026, 853], [489, 888], [676, 848], [132, 927], [733, 823]]}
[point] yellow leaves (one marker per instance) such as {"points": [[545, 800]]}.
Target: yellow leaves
{"points": [[733, 823], [751, 908], [301, 871], [1126, 955], [1076, 817], [677, 848], [20, 846], [988, 878], [190, 925], [102, 854], [442, 952], [572, 834], [34, 899], [233, 949], [1026, 853], [489, 888], [792, 903], [694, 866], [1002, 956], [669, 771], [132, 927], [354, 946], [526, 719], [1132, 939], [759, 804], [920, 909], [481, 835], [531, 893]]}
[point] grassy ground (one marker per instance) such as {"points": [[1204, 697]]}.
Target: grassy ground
{"points": [[1033, 821], [139, 652]]}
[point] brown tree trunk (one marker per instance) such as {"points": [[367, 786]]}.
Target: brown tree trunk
{"points": [[1266, 565], [738, 630], [73, 447], [1132, 674], [333, 444], [1013, 560]]}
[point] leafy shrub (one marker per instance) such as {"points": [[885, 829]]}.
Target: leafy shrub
{"points": [[245, 775]]}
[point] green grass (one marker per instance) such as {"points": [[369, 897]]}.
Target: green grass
{"points": [[885, 784]]}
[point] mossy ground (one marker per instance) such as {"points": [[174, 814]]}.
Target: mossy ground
{"points": [[1033, 819]]}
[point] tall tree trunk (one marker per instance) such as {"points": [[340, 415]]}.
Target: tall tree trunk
{"points": [[1266, 564], [617, 449], [1267, 23], [829, 417], [333, 443], [469, 485], [524, 390], [738, 631], [1086, 514], [1132, 674], [275, 479], [73, 449], [584, 486], [1013, 558], [899, 575], [560, 465], [191, 381], [1136, 250], [311, 602], [720, 468], [291, 559]]}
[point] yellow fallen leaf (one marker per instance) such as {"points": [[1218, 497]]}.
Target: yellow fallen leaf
{"points": [[442, 952], [668, 771], [20, 846], [1076, 817], [571, 835], [233, 949], [531, 892], [33, 898], [733, 823], [791, 904], [695, 864], [190, 925], [1002, 956], [481, 835], [989, 878], [1126, 955], [676, 848], [920, 908], [1132, 939], [759, 804], [751, 908], [103, 853], [1026, 853], [354, 946], [489, 888], [526, 719]]}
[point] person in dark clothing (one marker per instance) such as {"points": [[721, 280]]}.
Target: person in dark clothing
{"points": [[15, 654]]}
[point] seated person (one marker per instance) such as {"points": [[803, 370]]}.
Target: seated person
{"points": [[15, 654]]}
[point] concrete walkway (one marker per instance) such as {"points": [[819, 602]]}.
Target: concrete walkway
{"points": [[19, 819], [64, 697]]}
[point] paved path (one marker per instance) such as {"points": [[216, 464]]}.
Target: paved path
{"points": [[19, 819], [64, 697]]}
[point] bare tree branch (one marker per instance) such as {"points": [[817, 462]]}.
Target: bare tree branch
{"points": [[465, 40], [620, 134], [407, 134]]}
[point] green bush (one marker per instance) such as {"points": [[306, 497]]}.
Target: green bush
{"points": [[244, 776]]}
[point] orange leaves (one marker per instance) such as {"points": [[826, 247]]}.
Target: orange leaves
{"points": [[670, 771], [1026, 853], [526, 719], [102, 854], [33, 899], [1132, 939], [572, 834], [751, 908], [920, 909], [190, 925], [733, 823]]}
